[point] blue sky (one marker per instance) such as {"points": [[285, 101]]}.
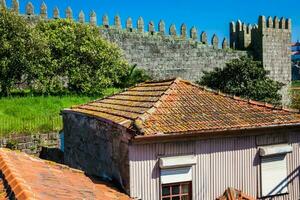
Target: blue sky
{"points": [[210, 16]]}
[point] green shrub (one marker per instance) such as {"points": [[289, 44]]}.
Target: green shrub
{"points": [[244, 77], [59, 57], [21, 51], [81, 60], [133, 77], [12, 144]]}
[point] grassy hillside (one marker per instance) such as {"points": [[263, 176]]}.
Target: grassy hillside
{"points": [[37, 114]]}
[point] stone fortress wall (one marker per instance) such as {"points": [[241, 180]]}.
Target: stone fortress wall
{"points": [[167, 53], [270, 41]]}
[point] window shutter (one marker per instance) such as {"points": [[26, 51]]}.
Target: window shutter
{"points": [[273, 175], [176, 175]]}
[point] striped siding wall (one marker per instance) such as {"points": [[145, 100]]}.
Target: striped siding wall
{"points": [[221, 163]]}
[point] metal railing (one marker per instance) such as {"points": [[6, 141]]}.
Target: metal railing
{"points": [[30, 125]]}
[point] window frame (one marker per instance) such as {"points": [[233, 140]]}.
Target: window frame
{"points": [[189, 194]]}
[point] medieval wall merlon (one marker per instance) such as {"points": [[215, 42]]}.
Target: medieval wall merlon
{"points": [[284, 25], [240, 35]]}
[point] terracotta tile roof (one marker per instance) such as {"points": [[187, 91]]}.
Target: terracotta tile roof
{"points": [[125, 107], [179, 106], [33, 178]]}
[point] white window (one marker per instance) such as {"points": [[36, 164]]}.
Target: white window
{"points": [[274, 169], [176, 177]]}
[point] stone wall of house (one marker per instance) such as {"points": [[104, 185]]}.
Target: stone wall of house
{"points": [[31, 144], [98, 148]]}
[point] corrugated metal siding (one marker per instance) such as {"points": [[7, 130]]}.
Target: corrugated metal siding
{"points": [[221, 163]]}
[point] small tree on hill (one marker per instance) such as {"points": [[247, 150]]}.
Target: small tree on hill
{"points": [[244, 77]]}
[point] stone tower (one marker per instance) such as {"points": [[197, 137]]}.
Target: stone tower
{"points": [[269, 42]]}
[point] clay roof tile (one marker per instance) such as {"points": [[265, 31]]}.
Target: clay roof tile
{"points": [[180, 106]]}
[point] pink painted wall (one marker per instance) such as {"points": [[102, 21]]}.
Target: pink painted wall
{"points": [[221, 163]]}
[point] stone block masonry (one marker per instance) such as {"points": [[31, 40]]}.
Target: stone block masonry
{"points": [[97, 147], [171, 53], [31, 144], [167, 57], [270, 42]]}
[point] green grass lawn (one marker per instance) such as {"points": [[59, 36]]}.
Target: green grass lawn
{"points": [[37, 114]]}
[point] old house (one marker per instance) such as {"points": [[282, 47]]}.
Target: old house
{"points": [[175, 140]]}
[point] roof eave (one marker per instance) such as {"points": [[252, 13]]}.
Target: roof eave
{"points": [[70, 111], [208, 134]]}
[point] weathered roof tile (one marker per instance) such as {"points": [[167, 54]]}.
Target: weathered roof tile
{"points": [[33, 178]]}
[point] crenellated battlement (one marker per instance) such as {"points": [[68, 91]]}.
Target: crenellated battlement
{"points": [[151, 28], [167, 52], [269, 41], [283, 24], [240, 35], [243, 36]]}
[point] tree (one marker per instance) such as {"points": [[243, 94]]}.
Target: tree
{"points": [[81, 59], [244, 77], [20, 50]]}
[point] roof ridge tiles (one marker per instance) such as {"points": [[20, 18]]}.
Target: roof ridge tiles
{"points": [[138, 122]]}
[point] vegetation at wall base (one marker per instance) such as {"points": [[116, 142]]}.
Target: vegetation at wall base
{"points": [[246, 78]]}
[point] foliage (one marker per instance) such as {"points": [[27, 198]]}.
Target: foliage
{"points": [[80, 59], [12, 144], [295, 94], [20, 50], [244, 77], [134, 76], [32, 114], [59, 57], [296, 83]]}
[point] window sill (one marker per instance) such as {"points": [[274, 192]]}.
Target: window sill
{"points": [[276, 195]]}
